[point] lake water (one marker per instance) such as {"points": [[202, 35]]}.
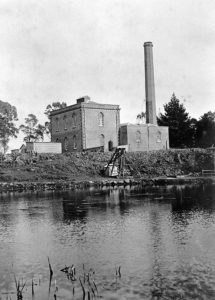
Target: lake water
{"points": [[162, 238]]}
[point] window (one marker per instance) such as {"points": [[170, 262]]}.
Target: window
{"points": [[66, 144], [74, 142], [57, 140], [101, 119], [138, 137], [102, 140], [158, 137], [74, 120], [57, 124], [110, 146], [65, 122]]}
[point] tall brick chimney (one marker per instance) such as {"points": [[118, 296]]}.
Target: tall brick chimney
{"points": [[149, 84]]}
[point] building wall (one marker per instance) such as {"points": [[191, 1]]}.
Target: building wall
{"points": [[158, 137], [43, 147], [144, 137], [87, 129], [47, 147], [123, 136], [66, 127], [101, 125], [137, 138]]}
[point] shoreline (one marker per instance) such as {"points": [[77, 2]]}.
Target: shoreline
{"points": [[102, 182], [82, 170]]}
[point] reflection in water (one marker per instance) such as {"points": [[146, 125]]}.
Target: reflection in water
{"points": [[162, 237], [78, 205], [188, 198]]}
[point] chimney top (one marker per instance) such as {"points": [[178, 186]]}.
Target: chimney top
{"points": [[85, 99], [148, 44]]}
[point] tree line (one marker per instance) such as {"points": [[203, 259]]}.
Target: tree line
{"points": [[32, 129], [184, 131]]}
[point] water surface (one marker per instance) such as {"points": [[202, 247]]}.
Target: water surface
{"points": [[162, 237]]}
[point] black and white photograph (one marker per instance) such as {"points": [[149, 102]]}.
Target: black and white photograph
{"points": [[107, 150]]}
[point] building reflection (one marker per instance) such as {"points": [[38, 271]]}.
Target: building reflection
{"points": [[78, 205]]}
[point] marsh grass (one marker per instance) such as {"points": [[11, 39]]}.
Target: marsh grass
{"points": [[84, 283]]}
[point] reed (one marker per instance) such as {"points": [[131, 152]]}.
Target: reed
{"points": [[50, 268], [19, 288], [83, 289], [83, 281], [32, 287], [118, 271]]}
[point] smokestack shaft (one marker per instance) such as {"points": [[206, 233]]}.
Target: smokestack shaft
{"points": [[149, 84]]}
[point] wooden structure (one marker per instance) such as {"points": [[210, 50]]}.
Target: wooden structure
{"points": [[116, 165]]}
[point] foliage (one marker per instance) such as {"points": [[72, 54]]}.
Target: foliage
{"points": [[181, 126], [8, 114], [73, 166], [141, 117], [54, 106], [32, 130], [205, 130], [170, 162], [49, 109]]}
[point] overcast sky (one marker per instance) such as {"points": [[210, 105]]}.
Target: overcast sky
{"points": [[60, 50]]}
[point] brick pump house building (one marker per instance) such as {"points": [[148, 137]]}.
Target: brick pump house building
{"points": [[86, 125], [90, 125]]}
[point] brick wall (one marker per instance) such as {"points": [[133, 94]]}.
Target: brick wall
{"points": [[94, 126], [66, 127], [158, 137], [43, 147], [137, 138], [123, 136], [144, 137], [98, 132]]}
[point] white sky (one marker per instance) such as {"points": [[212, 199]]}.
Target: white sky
{"points": [[60, 50]]}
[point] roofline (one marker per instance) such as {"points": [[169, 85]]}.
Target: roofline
{"points": [[64, 109], [91, 104], [41, 143], [143, 125]]}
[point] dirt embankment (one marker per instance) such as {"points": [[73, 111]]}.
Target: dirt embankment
{"points": [[171, 162], [87, 165]]}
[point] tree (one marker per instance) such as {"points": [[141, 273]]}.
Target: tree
{"points": [[205, 131], [181, 126], [49, 109], [141, 117], [32, 130], [54, 106], [8, 129]]}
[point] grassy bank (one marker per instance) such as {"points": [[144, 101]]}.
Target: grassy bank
{"points": [[171, 162], [87, 166]]}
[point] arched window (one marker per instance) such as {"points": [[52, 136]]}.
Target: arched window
{"points": [[138, 137], [110, 145], [65, 122], [66, 144], [74, 119], [102, 140], [57, 124], [158, 137], [101, 119], [74, 142]]}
